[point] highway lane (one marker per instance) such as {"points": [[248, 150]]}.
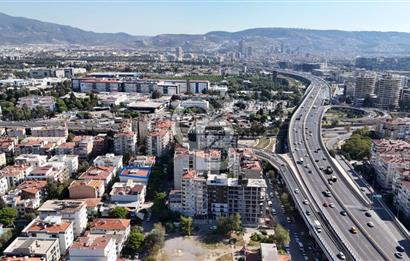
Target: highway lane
{"points": [[370, 243], [327, 239]]}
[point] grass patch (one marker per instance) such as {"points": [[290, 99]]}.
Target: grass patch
{"points": [[263, 142]]}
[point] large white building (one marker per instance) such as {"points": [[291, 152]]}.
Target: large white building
{"points": [[46, 248], [388, 89], [94, 247], [49, 131], [194, 197], [52, 227], [109, 160], [212, 135], [72, 210]]}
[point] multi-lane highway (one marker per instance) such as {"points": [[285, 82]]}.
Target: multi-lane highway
{"points": [[364, 232]]}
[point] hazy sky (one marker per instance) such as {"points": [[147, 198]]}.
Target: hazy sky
{"points": [[145, 17]]}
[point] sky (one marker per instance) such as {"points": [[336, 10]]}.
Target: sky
{"points": [[152, 17]]}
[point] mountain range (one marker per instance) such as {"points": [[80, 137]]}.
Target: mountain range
{"points": [[19, 30]]}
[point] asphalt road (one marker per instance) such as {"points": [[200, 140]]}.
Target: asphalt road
{"points": [[369, 243]]}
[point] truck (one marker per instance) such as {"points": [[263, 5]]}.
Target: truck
{"points": [[317, 225]]}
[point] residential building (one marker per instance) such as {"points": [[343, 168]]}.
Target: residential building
{"points": [[212, 135], [100, 144], [94, 247], [70, 161], [81, 146], [57, 172], [15, 174], [202, 161], [401, 194], [364, 87], [387, 158], [52, 227], [46, 248], [82, 189], [16, 132], [72, 210], [388, 89], [118, 228], [398, 128], [137, 174], [4, 187], [194, 200], [125, 140], [32, 102], [3, 160], [175, 200], [129, 191], [27, 196], [106, 174], [50, 131], [7, 145], [39, 145], [32, 160], [142, 161], [109, 160], [227, 196]]}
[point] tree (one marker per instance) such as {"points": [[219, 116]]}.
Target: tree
{"points": [[281, 235], [8, 216], [236, 222], [154, 241], [135, 241], [186, 225], [118, 212], [156, 94], [55, 190]]}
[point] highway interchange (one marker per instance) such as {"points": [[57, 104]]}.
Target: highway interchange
{"points": [[351, 228]]}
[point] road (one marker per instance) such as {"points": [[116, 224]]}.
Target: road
{"points": [[376, 237]]}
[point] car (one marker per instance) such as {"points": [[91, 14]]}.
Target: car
{"points": [[363, 189], [353, 230], [331, 205], [367, 214], [398, 255], [370, 224], [400, 248], [341, 256], [327, 193], [325, 204], [213, 227], [289, 220], [307, 212], [309, 171], [296, 191], [271, 194], [306, 202], [343, 213], [316, 160]]}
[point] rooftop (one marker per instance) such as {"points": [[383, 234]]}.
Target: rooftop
{"points": [[92, 242], [110, 224]]}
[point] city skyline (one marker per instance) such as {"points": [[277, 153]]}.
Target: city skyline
{"points": [[201, 16]]}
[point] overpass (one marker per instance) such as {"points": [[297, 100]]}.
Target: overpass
{"points": [[367, 233]]}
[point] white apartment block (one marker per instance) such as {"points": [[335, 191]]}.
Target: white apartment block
{"points": [[94, 247], [157, 141], [4, 187], [70, 161], [46, 248], [402, 195], [194, 197], [125, 142], [109, 160], [52, 227], [33, 160], [72, 210]]}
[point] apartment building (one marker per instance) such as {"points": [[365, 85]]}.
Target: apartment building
{"points": [[55, 172], [401, 193], [212, 135], [94, 247], [227, 196], [47, 249], [194, 199], [15, 174], [137, 174], [50, 131], [387, 158], [52, 227], [32, 160], [74, 211], [142, 161], [129, 191], [118, 228], [4, 187], [31, 102], [243, 161], [202, 161], [8, 145], [105, 174], [388, 89], [81, 146], [39, 145], [16, 132], [159, 137], [70, 161], [364, 87], [398, 128], [82, 189], [109, 160], [27, 196]]}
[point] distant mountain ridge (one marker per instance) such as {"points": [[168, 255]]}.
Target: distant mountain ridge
{"points": [[19, 30]]}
